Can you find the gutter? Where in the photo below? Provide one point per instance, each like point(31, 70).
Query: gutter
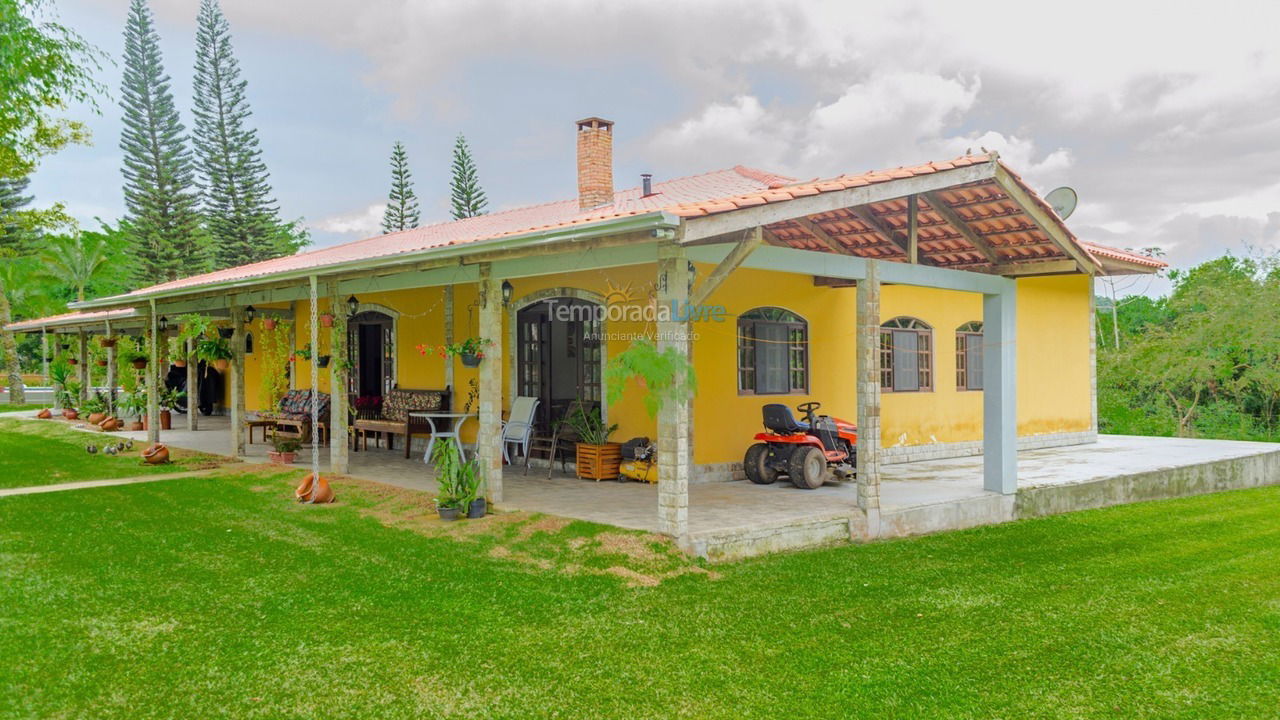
point(654, 221)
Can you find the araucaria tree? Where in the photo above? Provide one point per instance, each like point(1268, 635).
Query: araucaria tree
point(468, 198)
point(241, 216)
point(161, 216)
point(402, 204)
point(16, 240)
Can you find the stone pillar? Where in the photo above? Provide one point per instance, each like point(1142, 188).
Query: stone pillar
point(339, 461)
point(82, 369)
point(999, 392)
point(674, 421)
point(489, 439)
point(111, 373)
point(152, 375)
point(868, 392)
point(44, 356)
point(237, 381)
point(193, 386)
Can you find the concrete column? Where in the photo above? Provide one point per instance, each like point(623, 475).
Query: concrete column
point(193, 386)
point(448, 340)
point(82, 369)
point(489, 440)
point(236, 369)
point(674, 421)
point(999, 392)
point(44, 356)
point(339, 461)
point(111, 374)
point(868, 389)
point(152, 376)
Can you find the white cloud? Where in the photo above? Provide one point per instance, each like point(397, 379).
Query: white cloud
point(362, 223)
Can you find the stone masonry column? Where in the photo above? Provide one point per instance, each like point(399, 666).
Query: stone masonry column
point(674, 419)
point(339, 460)
point(489, 438)
point(193, 385)
point(152, 375)
point(237, 382)
point(868, 394)
point(82, 367)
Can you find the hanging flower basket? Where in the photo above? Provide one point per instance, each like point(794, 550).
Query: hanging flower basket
point(326, 320)
point(102, 363)
point(108, 342)
point(471, 360)
point(221, 364)
point(139, 363)
point(179, 363)
point(471, 350)
point(72, 361)
point(268, 323)
point(322, 361)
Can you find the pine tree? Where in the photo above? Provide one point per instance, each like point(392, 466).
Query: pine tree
point(402, 208)
point(168, 240)
point(468, 198)
point(242, 217)
point(15, 238)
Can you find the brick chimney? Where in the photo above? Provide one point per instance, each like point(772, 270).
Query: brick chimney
point(595, 163)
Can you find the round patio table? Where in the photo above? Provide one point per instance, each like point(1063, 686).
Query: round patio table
point(445, 426)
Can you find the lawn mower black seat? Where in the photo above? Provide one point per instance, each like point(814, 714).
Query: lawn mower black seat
point(778, 418)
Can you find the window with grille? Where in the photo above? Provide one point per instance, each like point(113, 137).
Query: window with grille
point(969, 356)
point(906, 355)
point(773, 352)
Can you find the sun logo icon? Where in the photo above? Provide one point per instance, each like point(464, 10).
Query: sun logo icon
point(619, 294)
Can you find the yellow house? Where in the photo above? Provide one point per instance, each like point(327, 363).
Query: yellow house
point(945, 309)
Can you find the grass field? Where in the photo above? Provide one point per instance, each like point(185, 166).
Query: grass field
point(7, 407)
point(219, 596)
point(48, 452)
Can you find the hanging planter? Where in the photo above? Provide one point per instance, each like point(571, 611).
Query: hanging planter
point(102, 363)
point(108, 342)
point(179, 363)
point(471, 350)
point(326, 320)
point(221, 364)
point(72, 361)
point(268, 323)
point(471, 359)
point(322, 361)
point(139, 363)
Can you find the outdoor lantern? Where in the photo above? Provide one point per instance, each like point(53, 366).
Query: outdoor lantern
point(248, 313)
point(507, 289)
point(352, 305)
point(164, 323)
point(693, 274)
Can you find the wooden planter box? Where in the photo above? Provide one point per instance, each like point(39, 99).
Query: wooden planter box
point(598, 462)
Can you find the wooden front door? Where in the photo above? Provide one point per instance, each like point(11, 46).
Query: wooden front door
point(559, 357)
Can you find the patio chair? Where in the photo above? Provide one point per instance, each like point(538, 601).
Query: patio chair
point(549, 443)
point(519, 426)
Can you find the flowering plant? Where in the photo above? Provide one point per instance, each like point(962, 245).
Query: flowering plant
point(473, 346)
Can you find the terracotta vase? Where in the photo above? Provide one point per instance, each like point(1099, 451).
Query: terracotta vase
point(110, 424)
point(102, 363)
point(166, 420)
point(268, 323)
point(45, 414)
point(108, 342)
point(326, 320)
point(221, 364)
point(281, 458)
point(71, 413)
point(140, 364)
point(137, 425)
point(97, 418)
point(179, 363)
point(318, 492)
point(157, 454)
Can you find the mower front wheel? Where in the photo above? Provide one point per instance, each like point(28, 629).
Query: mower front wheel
point(756, 465)
point(807, 468)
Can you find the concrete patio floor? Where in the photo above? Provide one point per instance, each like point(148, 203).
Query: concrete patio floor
point(736, 519)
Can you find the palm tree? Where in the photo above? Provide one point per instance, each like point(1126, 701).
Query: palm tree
point(76, 260)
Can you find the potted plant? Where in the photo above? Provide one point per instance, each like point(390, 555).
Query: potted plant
point(73, 361)
point(96, 406)
point(215, 350)
point(65, 394)
point(136, 358)
point(269, 322)
point(170, 400)
point(285, 450)
point(134, 405)
point(470, 350)
point(458, 484)
point(107, 341)
point(102, 362)
point(597, 458)
point(178, 351)
point(326, 320)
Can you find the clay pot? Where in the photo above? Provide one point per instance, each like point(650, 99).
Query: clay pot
point(71, 413)
point(44, 414)
point(140, 364)
point(96, 418)
point(326, 320)
point(166, 420)
point(137, 425)
point(102, 363)
point(179, 363)
point(111, 424)
point(157, 454)
point(221, 364)
point(72, 361)
point(108, 342)
point(320, 493)
point(281, 458)
point(268, 323)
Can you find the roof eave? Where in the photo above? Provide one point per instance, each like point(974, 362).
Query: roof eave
point(658, 220)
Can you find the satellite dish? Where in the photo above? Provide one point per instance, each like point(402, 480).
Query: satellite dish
point(1063, 201)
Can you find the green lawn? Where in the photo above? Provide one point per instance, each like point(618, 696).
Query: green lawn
point(44, 452)
point(221, 597)
point(7, 407)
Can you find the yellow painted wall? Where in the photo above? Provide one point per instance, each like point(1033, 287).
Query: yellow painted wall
point(1053, 354)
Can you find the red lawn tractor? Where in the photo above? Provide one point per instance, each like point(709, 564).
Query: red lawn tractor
point(809, 453)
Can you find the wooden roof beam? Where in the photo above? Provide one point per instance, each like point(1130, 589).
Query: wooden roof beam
point(822, 236)
point(1048, 224)
point(958, 224)
point(754, 238)
point(881, 228)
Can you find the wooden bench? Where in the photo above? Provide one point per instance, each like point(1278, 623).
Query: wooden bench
point(393, 417)
point(292, 419)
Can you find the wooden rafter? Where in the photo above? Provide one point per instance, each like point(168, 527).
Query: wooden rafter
point(1047, 224)
point(822, 236)
point(958, 224)
point(881, 228)
point(754, 238)
point(913, 229)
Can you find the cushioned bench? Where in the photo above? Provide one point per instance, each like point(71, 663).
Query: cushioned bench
point(293, 418)
point(394, 417)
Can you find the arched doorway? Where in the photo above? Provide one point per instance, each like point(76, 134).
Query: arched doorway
point(559, 349)
point(371, 345)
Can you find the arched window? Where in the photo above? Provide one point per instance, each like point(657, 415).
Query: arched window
point(969, 356)
point(906, 355)
point(773, 352)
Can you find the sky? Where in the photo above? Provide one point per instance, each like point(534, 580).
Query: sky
point(1164, 117)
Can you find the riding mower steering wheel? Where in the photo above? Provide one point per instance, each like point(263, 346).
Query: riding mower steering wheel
point(807, 409)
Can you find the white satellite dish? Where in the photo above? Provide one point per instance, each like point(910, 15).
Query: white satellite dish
point(1063, 201)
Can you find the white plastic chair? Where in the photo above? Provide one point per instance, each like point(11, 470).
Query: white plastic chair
point(519, 426)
